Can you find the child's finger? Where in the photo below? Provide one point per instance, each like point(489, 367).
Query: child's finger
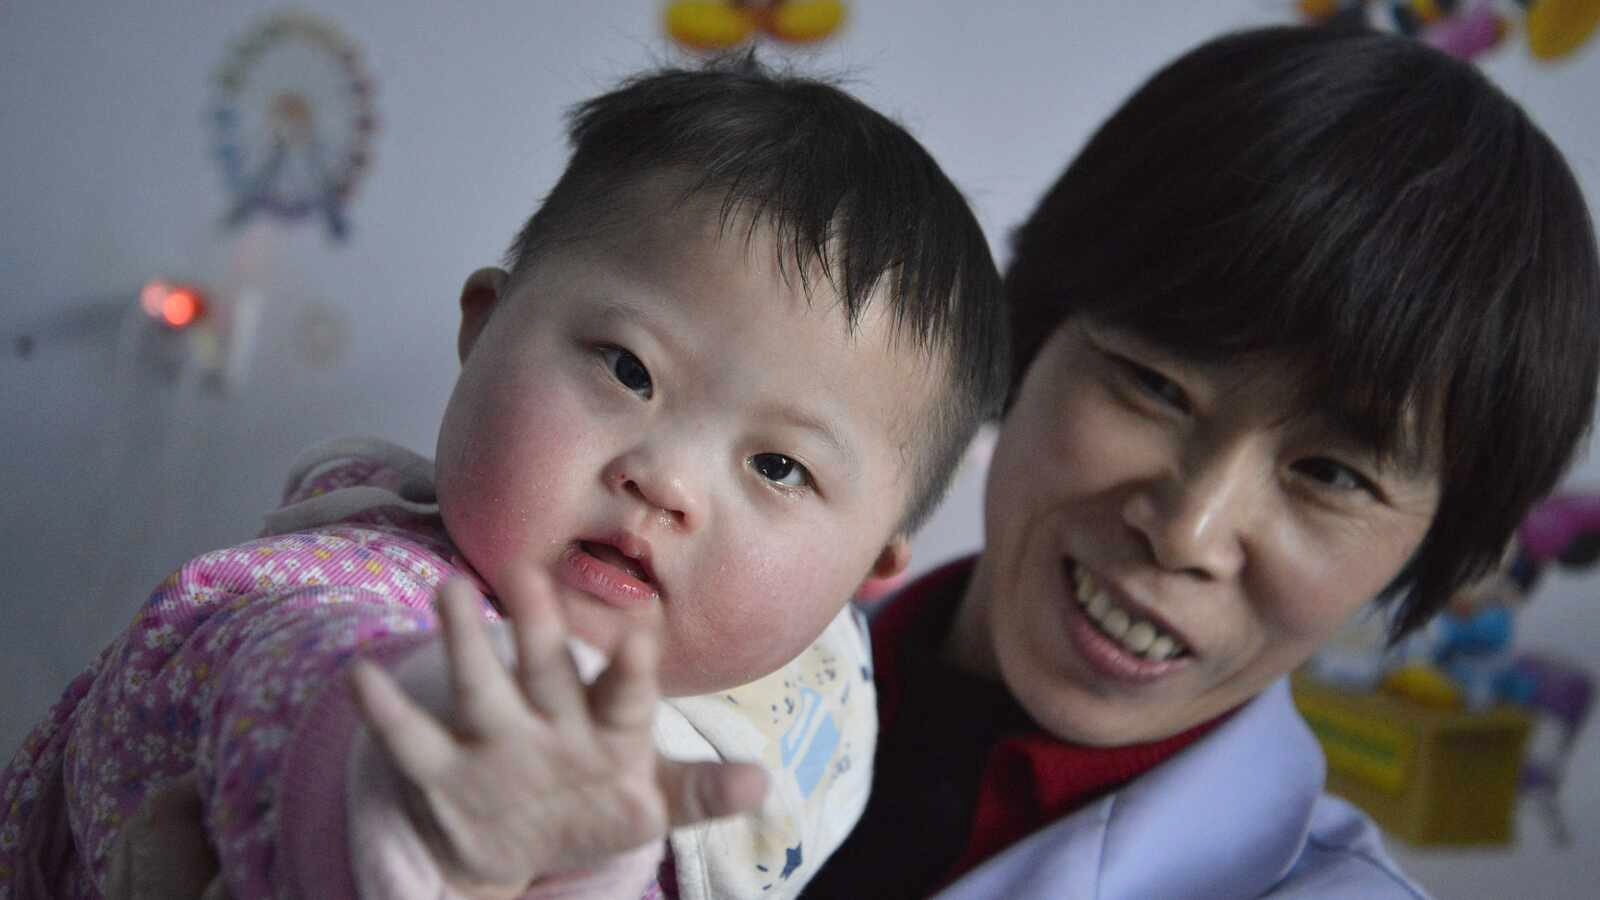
point(545, 671)
point(482, 688)
point(416, 742)
point(696, 791)
point(625, 695)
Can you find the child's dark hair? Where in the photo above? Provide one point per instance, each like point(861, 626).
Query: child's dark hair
point(840, 185)
point(1377, 213)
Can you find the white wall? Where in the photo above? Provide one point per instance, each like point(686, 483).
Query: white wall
point(110, 478)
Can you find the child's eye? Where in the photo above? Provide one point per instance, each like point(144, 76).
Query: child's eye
point(780, 470)
point(1163, 389)
point(628, 370)
point(1334, 475)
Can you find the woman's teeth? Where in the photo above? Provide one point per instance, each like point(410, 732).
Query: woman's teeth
point(1137, 635)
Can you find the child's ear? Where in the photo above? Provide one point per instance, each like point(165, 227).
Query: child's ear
point(479, 296)
point(893, 559)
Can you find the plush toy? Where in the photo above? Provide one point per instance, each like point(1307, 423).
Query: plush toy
point(1464, 658)
point(1472, 638)
point(1473, 634)
point(1470, 28)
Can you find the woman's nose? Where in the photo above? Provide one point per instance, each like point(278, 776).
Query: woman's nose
point(1193, 518)
point(656, 481)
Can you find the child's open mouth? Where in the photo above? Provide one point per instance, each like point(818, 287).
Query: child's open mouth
point(604, 570)
point(609, 554)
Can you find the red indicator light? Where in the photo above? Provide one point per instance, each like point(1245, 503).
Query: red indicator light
point(176, 306)
point(153, 296)
point(181, 307)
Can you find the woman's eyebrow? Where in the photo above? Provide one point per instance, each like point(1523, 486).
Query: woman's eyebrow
point(1406, 455)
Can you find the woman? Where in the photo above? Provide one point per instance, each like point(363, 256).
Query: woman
point(1311, 319)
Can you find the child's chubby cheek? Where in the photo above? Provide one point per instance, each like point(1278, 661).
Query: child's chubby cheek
point(745, 628)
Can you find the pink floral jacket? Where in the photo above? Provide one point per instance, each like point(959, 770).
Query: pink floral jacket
point(231, 669)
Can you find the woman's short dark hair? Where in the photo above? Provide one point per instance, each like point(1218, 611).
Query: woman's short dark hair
point(1376, 212)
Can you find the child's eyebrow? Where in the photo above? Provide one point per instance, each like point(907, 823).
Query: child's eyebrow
point(782, 411)
point(818, 425)
point(610, 309)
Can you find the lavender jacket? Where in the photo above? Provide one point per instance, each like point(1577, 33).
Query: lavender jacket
point(1240, 814)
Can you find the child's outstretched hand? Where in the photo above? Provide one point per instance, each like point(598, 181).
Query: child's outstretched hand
point(535, 773)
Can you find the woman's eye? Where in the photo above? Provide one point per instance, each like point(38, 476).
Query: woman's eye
point(780, 470)
point(1333, 474)
point(628, 370)
point(1157, 385)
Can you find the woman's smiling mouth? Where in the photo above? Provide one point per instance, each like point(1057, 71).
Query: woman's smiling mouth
point(1116, 639)
point(1136, 633)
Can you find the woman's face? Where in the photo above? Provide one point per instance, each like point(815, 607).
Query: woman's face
point(1165, 539)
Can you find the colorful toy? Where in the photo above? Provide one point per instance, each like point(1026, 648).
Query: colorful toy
point(1565, 529)
point(1563, 696)
point(710, 25)
point(1472, 636)
point(1432, 736)
point(1470, 28)
point(1556, 28)
point(1464, 658)
point(1423, 683)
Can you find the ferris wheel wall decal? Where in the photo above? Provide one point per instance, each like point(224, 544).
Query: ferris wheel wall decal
point(292, 122)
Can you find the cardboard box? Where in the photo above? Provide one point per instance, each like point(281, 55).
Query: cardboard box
point(1427, 775)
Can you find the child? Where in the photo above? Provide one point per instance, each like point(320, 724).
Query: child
point(732, 363)
point(1313, 317)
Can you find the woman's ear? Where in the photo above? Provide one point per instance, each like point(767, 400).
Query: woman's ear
point(479, 296)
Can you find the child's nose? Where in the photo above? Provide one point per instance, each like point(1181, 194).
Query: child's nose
point(655, 483)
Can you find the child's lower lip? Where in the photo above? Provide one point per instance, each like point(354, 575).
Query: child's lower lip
point(1103, 654)
point(582, 571)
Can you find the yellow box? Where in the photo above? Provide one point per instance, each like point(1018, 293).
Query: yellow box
point(1427, 775)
